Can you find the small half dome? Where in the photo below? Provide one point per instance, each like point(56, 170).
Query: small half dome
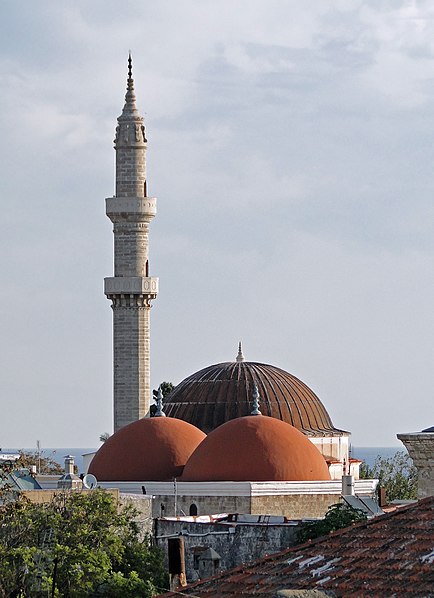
point(255, 448)
point(154, 449)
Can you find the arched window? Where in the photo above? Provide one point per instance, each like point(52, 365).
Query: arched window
point(193, 510)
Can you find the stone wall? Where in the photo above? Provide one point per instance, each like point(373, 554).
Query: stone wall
point(235, 543)
point(204, 504)
point(420, 447)
point(291, 506)
point(141, 504)
point(46, 496)
point(143, 507)
point(294, 506)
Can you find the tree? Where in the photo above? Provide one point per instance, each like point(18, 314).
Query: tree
point(338, 516)
point(104, 436)
point(44, 464)
point(80, 544)
point(397, 475)
point(166, 388)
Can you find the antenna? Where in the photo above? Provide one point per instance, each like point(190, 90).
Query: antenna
point(90, 481)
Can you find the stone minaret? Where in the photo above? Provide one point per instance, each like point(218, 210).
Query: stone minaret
point(131, 289)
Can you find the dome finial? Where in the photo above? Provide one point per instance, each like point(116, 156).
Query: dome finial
point(240, 356)
point(255, 401)
point(159, 402)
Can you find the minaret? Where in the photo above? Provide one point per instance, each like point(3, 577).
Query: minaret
point(131, 289)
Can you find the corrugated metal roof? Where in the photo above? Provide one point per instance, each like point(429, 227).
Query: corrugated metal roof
point(222, 392)
point(390, 555)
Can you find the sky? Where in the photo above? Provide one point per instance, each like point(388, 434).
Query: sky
point(290, 146)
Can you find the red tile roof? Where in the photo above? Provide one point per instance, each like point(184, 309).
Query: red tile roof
point(390, 555)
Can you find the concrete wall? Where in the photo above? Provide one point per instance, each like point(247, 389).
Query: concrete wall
point(244, 543)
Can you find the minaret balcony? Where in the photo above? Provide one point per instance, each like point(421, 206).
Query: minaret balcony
point(140, 206)
point(131, 285)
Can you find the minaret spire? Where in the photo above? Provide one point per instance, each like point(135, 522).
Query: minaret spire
point(131, 289)
point(130, 110)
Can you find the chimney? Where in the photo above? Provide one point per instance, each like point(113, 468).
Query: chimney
point(69, 464)
point(177, 575)
point(348, 485)
point(69, 480)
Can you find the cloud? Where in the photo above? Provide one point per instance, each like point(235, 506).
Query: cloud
point(290, 150)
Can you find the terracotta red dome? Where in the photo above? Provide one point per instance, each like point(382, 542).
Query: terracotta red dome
point(155, 449)
point(255, 448)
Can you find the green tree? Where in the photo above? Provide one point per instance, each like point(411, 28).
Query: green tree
point(80, 544)
point(338, 516)
point(6, 488)
point(166, 388)
point(397, 475)
point(45, 464)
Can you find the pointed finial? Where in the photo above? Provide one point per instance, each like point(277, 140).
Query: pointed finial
point(159, 402)
point(240, 356)
point(255, 401)
point(129, 108)
point(130, 66)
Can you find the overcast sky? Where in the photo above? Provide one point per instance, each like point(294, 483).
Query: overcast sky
point(290, 146)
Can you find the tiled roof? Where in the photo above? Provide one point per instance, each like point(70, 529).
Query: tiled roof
point(391, 555)
point(18, 480)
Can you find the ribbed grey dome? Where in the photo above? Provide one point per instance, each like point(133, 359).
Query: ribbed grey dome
point(224, 391)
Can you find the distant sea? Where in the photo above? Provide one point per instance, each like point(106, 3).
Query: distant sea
point(370, 453)
point(364, 453)
point(57, 454)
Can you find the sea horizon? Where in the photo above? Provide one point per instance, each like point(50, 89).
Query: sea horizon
point(368, 454)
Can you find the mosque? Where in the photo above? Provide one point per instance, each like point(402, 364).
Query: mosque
point(236, 436)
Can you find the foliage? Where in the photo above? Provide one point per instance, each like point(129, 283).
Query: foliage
point(80, 544)
point(104, 436)
point(6, 468)
point(338, 516)
point(397, 475)
point(45, 464)
point(166, 388)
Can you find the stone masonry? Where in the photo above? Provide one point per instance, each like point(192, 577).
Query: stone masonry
point(235, 542)
point(131, 290)
point(420, 447)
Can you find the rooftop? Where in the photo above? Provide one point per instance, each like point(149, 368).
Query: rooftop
point(391, 555)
